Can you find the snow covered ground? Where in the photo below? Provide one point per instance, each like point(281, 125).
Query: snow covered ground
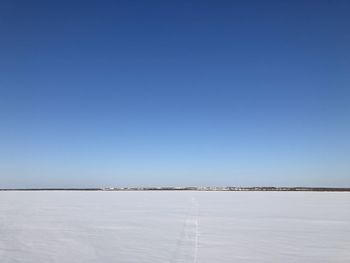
point(194, 227)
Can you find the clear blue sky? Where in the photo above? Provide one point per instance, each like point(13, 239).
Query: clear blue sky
point(140, 93)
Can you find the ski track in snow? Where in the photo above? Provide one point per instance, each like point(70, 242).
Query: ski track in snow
point(187, 246)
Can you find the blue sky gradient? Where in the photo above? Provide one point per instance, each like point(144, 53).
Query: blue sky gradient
point(164, 93)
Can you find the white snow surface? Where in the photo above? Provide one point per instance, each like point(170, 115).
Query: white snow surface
point(174, 226)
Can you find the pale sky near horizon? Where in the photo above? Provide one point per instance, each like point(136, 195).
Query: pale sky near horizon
point(165, 93)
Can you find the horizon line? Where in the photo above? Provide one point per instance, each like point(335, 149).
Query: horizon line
point(187, 188)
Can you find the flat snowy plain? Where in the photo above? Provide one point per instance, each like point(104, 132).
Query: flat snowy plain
point(194, 227)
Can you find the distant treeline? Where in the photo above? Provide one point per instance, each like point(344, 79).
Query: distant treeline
point(224, 188)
